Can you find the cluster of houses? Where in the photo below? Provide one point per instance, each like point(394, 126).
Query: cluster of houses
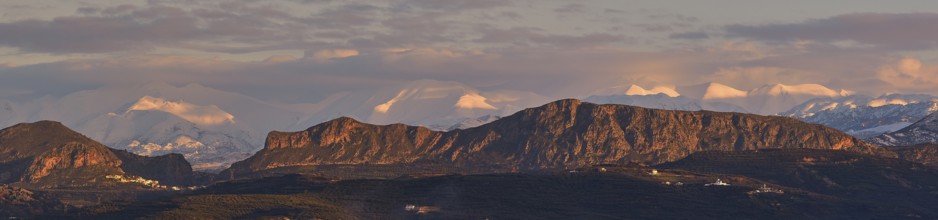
point(149, 183)
point(766, 189)
point(717, 183)
point(420, 209)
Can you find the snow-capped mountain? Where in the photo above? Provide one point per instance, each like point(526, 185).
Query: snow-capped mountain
point(436, 104)
point(766, 100)
point(635, 90)
point(922, 131)
point(662, 101)
point(212, 128)
point(473, 122)
point(865, 116)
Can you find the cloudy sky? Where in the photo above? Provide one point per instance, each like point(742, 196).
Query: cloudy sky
point(303, 50)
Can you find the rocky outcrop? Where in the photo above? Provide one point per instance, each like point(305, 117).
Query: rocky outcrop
point(47, 153)
point(67, 161)
point(562, 134)
point(170, 169)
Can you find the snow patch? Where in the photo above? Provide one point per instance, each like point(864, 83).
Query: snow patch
point(201, 115)
point(720, 91)
point(384, 107)
point(637, 90)
point(471, 101)
point(882, 102)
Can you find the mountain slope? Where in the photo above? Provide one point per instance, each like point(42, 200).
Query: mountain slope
point(860, 187)
point(562, 134)
point(900, 185)
point(47, 153)
point(864, 116)
point(922, 153)
point(920, 132)
point(212, 128)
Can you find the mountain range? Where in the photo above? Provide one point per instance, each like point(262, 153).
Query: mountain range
point(559, 135)
point(47, 153)
point(865, 116)
point(557, 156)
point(765, 100)
point(213, 128)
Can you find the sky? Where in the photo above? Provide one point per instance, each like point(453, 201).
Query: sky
point(303, 50)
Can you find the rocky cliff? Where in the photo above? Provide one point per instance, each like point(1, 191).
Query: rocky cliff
point(169, 169)
point(562, 134)
point(49, 154)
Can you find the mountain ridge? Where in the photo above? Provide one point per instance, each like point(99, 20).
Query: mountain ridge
point(47, 153)
point(561, 134)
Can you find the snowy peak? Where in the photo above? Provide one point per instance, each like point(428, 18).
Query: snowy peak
point(473, 100)
point(801, 89)
point(435, 91)
point(638, 90)
point(864, 116)
point(437, 104)
point(197, 114)
point(720, 91)
point(635, 90)
point(712, 91)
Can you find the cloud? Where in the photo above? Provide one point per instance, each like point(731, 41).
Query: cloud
point(527, 36)
point(897, 31)
point(326, 55)
point(132, 28)
point(571, 8)
point(910, 73)
point(690, 36)
point(450, 5)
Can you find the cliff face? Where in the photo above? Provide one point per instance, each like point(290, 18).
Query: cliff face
point(48, 153)
point(561, 134)
point(170, 169)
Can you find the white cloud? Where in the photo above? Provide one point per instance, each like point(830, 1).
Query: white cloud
point(326, 55)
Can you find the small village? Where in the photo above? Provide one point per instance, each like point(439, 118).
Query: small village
point(678, 179)
point(149, 183)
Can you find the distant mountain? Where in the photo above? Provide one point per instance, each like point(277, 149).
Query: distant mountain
point(661, 101)
point(47, 153)
point(438, 105)
point(558, 135)
point(921, 132)
point(865, 116)
point(765, 100)
point(211, 128)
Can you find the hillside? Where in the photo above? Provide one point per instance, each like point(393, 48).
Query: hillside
point(48, 154)
point(895, 190)
point(559, 135)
